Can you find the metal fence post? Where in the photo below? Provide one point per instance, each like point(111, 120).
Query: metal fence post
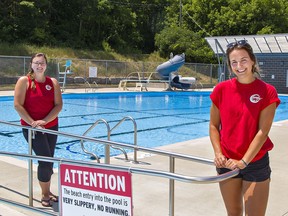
point(172, 188)
point(30, 169)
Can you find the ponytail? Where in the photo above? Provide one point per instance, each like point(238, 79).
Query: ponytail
point(32, 77)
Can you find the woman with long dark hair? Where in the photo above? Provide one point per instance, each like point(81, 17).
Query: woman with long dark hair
point(241, 116)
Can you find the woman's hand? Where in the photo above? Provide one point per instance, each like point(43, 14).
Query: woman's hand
point(234, 164)
point(38, 123)
point(220, 160)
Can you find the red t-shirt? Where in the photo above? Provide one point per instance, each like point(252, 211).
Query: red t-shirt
point(240, 106)
point(39, 102)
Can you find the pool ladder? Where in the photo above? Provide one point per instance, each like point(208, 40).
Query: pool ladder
point(107, 147)
point(93, 86)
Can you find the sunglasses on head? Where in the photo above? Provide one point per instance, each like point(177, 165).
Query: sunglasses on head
point(237, 43)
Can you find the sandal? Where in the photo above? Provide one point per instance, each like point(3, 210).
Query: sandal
point(46, 202)
point(54, 198)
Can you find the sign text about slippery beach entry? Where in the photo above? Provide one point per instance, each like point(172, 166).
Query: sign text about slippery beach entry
point(91, 191)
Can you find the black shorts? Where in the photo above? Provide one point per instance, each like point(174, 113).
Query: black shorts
point(257, 171)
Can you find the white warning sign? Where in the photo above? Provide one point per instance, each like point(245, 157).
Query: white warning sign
point(89, 191)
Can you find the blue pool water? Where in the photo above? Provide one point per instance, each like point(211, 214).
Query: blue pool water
point(162, 118)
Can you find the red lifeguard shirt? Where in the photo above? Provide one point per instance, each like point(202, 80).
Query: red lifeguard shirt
point(240, 106)
point(39, 102)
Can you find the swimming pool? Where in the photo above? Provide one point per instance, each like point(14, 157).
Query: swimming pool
point(162, 118)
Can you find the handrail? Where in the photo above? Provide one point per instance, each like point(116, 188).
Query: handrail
point(159, 173)
point(153, 172)
point(135, 137)
point(88, 130)
point(109, 131)
point(86, 83)
point(149, 172)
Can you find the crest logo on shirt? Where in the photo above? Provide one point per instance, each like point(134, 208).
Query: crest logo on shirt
point(48, 87)
point(255, 98)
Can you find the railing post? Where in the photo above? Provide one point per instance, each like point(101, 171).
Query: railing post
point(211, 73)
point(30, 168)
point(24, 71)
point(107, 153)
point(172, 187)
point(59, 187)
point(135, 140)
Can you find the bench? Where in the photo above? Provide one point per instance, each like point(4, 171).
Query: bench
point(141, 80)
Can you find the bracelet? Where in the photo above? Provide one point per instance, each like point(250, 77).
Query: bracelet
point(244, 162)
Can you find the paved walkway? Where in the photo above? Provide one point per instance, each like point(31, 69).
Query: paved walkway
point(150, 194)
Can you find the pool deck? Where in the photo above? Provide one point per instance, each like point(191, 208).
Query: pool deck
point(150, 194)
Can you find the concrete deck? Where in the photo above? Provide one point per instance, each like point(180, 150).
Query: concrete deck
point(150, 194)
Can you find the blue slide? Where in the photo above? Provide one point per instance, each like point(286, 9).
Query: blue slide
point(166, 69)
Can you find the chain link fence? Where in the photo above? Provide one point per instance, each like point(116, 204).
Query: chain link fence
point(108, 72)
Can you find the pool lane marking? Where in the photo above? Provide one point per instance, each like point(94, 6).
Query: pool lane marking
point(140, 130)
point(156, 115)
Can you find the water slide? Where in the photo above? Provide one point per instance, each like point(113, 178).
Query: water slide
point(167, 69)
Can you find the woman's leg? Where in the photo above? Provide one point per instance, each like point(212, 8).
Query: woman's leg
point(45, 169)
point(256, 185)
point(44, 145)
point(45, 187)
point(52, 140)
point(231, 191)
point(256, 197)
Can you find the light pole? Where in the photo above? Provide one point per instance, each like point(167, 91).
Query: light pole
point(180, 13)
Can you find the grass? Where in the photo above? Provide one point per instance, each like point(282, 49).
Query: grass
point(66, 52)
point(7, 87)
point(8, 69)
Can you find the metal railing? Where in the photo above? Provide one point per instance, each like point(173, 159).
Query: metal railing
point(109, 132)
point(171, 175)
point(87, 86)
point(94, 156)
point(135, 138)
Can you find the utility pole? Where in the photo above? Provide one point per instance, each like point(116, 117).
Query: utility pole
point(180, 13)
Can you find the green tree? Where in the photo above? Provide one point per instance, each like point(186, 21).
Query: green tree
point(7, 16)
point(218, 18)
point(138, 26)
point(149, 20)
point(238, 17)
point(180, 40)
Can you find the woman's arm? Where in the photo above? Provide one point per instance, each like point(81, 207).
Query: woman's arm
point(265, 123)
point(19, 99)
point(214, 134)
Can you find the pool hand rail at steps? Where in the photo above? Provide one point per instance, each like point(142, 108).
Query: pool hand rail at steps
point(171, 175)
point(109, 131)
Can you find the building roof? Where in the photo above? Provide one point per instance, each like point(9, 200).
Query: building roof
point(261, 44)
